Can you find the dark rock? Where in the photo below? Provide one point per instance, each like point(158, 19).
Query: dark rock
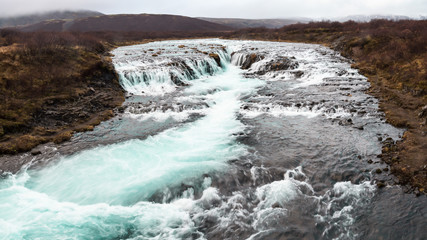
point(378, 171)
point(341, 72)
point(423, 112)
point(370, 161)
point(251, 59)
point(298, 74)
point(281, 63)
point(276, 205)
point(121, 109)
point(216, 58)
point(177, 81)
point(381, 184)
point(35, 152)
point(346, 122)
point(82, 115)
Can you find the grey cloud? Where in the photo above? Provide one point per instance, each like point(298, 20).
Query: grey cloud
point(226, 8)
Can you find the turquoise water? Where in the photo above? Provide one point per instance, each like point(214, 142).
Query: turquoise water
point(216, 153)
point(102, 193)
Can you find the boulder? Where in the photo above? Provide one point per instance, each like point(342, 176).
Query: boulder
point(35, 152)
point(281, 63)
point(251, 59)
point(216, 58)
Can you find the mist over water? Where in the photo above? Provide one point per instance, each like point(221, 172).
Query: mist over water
point(262, 153)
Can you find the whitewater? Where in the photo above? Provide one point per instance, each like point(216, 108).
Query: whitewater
point(220, 139)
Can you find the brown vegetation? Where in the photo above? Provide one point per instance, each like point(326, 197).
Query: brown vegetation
point(393, 55)
point(129, 23)
point(50, 85)
point(239, 23)
point(56, 83)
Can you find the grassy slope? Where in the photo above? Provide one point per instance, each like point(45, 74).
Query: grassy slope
point(129, 23)
point(55, 72)
point(393, 55)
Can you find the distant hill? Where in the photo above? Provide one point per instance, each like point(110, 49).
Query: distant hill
point(36, 18)
point(367, 18)
point(129, 22)
point(239, 23)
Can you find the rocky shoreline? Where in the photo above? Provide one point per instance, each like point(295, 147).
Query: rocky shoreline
point(59, 117)
point(407, 157)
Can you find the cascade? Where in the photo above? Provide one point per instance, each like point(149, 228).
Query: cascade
point(219, 140)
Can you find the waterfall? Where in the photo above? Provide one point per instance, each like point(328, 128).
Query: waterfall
point(219, 140)
point(164, 73)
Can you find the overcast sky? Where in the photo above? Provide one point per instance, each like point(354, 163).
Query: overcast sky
point(225, 8)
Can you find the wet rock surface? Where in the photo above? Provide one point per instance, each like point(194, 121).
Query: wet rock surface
point(313, 137)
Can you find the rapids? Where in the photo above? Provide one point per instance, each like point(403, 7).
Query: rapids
point(220, 140)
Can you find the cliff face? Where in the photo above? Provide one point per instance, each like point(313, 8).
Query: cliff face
point(50, 89)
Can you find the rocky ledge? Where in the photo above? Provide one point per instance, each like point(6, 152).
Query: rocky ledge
point(62, 115)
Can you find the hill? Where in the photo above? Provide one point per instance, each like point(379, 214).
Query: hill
point(239, 23)
point(367, 18)
point(36, 18)
point(129, 23)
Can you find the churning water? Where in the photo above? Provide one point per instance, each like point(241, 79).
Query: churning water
point(221, 140)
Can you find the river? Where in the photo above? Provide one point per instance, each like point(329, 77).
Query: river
point(221, 139)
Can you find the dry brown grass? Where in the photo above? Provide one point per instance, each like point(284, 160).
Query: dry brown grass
point(40, 68)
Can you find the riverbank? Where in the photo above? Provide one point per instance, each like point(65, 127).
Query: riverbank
point(393, 56)
point(64, 83)
point(56, 84)
point(53, 85)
